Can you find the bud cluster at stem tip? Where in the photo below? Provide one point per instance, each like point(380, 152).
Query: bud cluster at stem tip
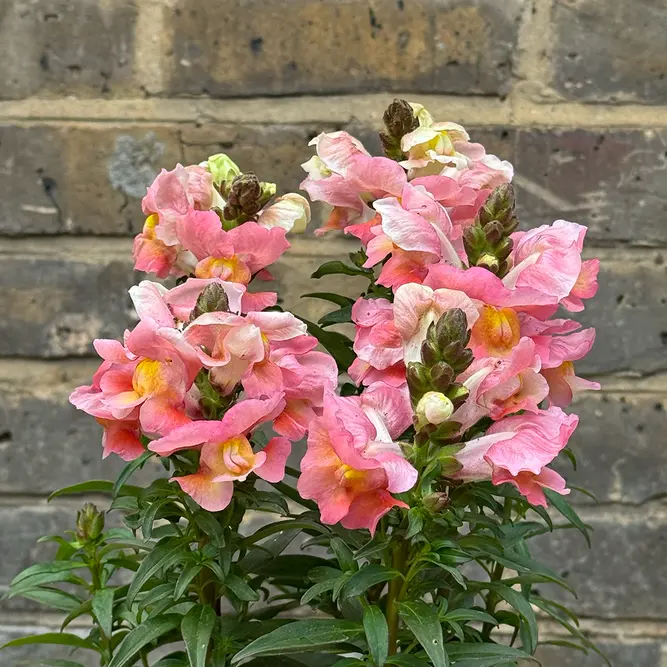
point(432, 382)
point(399, 119)
point(487, 241)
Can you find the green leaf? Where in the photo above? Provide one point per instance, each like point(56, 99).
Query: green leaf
point(415, 522)
point(187, 575)
point(406, 660)
point(54, 598)
point(338, 345)
point(516, 600)
point(196, 628)
point(60, 638)
point(128, 471)
point(211, 527)
point(368, 576)
point(150, 514)
point(164, 556)
point(300, 636)
point(343, 554)
point(457, 615)
point(279, 527)
point(101, 486)
point(336, 267)
point(241, 589)
point(340, 316)
point(103, 610)
point(484, 655)
point(46, 573)
point(141, 636)
point(422, 620)
point(568, 512)
point(86, 607)
point(317, 589)
point(377, 634)
point(338, 299)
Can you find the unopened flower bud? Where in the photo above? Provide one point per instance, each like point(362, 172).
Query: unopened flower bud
point(89, 523)
point(442, 375)
point(458, 394)
point(212, 299)
point(245, 194)
point(435, 502)
point(399, 119)
point(488, 261)
point(433, 408)
point(222, 168)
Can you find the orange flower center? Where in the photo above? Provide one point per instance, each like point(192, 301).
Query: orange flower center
point(232, 269)
point(148, 378)
point(233, 457)
point(497, 329)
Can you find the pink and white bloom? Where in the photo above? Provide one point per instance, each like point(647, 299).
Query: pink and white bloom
point(149, 377)
point(548, 260)
point(352, 465)
point(226, 453)
point(290, 212)
point(234, 256)
point(518, 450)
point(237, 348)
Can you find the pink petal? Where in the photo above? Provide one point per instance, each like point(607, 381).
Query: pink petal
point(212, 496)
point(273, 469)
point(367, 509)
point(257, 301)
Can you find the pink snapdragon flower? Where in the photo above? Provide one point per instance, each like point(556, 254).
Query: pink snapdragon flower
point(548, 260)
point(352, 465)
point(235, 256)
point(518, 450)
point(226, 453)
point(237, 348)
point(150, 375)
point(171, 197)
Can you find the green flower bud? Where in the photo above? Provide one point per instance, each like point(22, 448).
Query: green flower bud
point(458, 394)
point(433, 408)
point(89, 523)
point(222, 168)
point(435, 502)
point(212, 299)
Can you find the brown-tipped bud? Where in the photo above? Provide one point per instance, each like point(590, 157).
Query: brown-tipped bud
point(417, 376)
point(399, 119)
point(430, 353)
point(212, 299)
point(245, 194)
point(442, 375)
point(504, 249)
point(457, 394)
point(494, 231)
point(452, 326)
point(499, 205)
point(435, 502)
point(89, 523)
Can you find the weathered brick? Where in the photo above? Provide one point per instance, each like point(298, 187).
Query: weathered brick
point(641, 654)
point(612, 181)
point(76, 180)
point(629, 314)
point(621, 576)
point(620, 453)
point(19, 655)
point(229, 49)
point(56, 306)
point(62, 47)
point(610, 51)
point(45, 442)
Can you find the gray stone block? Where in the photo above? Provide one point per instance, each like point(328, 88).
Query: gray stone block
point(641, 654)
point(619, 445)
point(62, 47)
point(621, 576)
point(229, 49)
point(80, 180)
point(57, 307)
point(610, 50)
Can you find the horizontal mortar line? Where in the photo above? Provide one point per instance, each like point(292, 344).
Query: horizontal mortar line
point(332, 109)
point(93, 248)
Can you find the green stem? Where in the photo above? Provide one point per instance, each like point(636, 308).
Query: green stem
point(395, 593)
point(492, 599)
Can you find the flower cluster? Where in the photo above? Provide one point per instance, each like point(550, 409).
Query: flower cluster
point(462, 367)
point(465, 331)
point(207, 364)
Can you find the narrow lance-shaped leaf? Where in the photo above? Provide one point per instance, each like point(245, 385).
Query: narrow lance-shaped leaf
point(196, 628)
point(422, 620)
point(141, 636)
point(377, 634)
point(103, 609)
point(299, 637)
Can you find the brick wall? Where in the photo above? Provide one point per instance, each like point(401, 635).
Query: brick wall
point(95, 95)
